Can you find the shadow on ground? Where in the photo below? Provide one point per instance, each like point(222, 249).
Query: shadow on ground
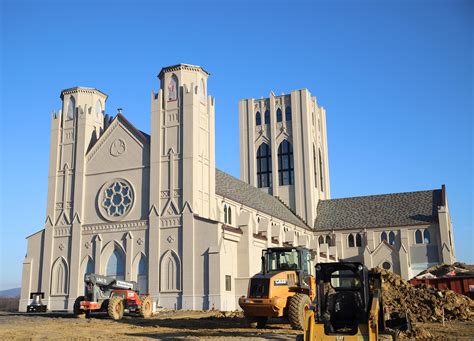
point(205, 335)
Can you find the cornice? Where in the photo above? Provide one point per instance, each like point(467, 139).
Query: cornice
point(114, 227)
point(179, 67)
point(82, 90)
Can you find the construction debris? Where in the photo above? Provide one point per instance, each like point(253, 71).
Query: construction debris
point(446, 270)
point(422, 303)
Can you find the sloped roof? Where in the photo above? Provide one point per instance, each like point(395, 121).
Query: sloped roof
point(398, 209)
point(108, 121)
point(241, 192)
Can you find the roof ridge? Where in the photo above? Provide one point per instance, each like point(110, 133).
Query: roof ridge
point(380, 195)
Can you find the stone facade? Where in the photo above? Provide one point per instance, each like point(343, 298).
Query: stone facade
point(268, 126)
point(154, 209)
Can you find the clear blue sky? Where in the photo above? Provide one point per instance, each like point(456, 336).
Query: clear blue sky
point(395, 77)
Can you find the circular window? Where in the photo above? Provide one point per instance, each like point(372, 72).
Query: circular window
point(386, 265)
point(116, 199)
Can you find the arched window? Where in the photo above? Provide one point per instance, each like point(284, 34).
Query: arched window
point(173, 88)
point(279, 115)
point(321, 240)
point(98, 108)
point(328, 240)
point(59, 278)
point(391, 238)
point(321, 170)
point(288, 114)
point(285, 163)
point(383, 236)
point(202, 91)
point(358, 240)
point(267, 116)
point(71, 107)
point(264, 166)
point(142, 275)
point(350, 241)
point(229, 215)
point(170, 272)
point(426, 237)
point(258, 118)
point(225, 214)
point(89, 268)
point(315, 164)
point(418, 237)
point(116, 265)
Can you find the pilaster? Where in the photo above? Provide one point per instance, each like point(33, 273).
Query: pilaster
point(298, 126)
point(128, 243)
point(97, 240)
point(188, 261)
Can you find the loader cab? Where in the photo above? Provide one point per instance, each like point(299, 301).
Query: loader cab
point(342, 297)
point(297, 259)
point(286, 259)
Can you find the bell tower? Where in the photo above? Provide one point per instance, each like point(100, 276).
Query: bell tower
point(283, 149)
point(186, 128)
point(182, 170)
point(73, 129)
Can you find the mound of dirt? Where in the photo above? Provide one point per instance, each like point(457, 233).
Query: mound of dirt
point(447, 270)
point(423, 303)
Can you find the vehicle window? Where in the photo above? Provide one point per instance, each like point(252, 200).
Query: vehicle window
point(345, 279)
point(282, 260)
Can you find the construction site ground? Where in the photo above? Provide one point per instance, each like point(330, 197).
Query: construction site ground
point(173, 325)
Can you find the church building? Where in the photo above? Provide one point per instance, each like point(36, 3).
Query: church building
point(153, 208)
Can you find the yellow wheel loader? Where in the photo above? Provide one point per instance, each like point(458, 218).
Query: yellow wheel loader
point(348, 305)
point(284, 288)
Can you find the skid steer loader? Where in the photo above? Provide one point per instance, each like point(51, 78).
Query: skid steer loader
point(284, 287)
point(348, 305)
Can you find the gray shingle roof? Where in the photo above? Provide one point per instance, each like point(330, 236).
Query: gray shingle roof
point(241, 192)
point(399, 209)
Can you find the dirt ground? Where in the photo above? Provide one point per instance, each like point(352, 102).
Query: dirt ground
point(171, 325)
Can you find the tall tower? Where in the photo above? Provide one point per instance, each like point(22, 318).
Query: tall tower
point(283, 149)
point(182, 169)
point(73, 130)
point(183, 123)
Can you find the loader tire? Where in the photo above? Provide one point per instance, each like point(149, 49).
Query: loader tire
point(250, 321)
point(146, 307)
point(115, 308)
point(262, 322)
point(298, 304)
point(78, 312)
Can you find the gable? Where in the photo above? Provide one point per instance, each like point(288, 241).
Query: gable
point(383, 251)
point(120, 147)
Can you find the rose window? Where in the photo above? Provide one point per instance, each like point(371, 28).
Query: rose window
point(117, 198)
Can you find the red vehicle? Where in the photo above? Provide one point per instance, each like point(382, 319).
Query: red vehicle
point(113, 296)
point(460, 284)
